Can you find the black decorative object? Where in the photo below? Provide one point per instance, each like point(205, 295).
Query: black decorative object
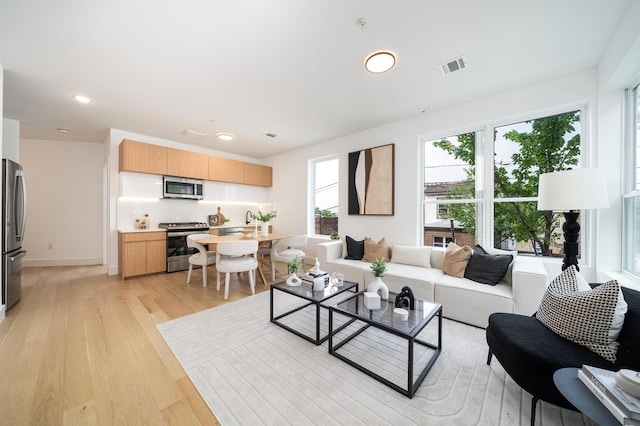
point(405, 299)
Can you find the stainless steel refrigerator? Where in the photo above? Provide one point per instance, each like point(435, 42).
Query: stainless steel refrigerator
point(14, 214)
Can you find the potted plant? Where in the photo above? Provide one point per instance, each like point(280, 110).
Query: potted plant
point(334, 235)
point(293, 266)
point(264, 218)
point(379, 267)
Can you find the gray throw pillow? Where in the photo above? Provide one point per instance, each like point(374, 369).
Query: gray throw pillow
point(487, 268)
point(355, 249)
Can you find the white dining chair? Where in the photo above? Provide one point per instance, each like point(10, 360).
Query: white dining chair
point(203, 258)
point(236, 256)
point(285, 250)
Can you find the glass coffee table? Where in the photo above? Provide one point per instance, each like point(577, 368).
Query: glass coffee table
point(384, 347)
point(312, 302)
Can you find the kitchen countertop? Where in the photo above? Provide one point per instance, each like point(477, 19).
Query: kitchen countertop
point(132, 230)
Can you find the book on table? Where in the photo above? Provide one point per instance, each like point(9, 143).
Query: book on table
point(602, 383)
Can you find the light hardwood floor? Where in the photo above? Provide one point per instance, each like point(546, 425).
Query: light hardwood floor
point(81, 347)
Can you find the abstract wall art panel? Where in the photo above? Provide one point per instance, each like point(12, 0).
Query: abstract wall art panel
point(371, 181)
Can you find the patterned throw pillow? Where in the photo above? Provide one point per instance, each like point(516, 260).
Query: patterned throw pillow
point(584, 317)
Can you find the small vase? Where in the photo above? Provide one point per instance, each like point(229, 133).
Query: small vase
point(378, 286)
point(293, 280)
point(264, 229)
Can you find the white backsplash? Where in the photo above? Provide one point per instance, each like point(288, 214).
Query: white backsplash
point(141, 194)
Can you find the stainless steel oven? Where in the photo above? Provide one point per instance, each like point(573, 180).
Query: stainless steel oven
point(178, 252)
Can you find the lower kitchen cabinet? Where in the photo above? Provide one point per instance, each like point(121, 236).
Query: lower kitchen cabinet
point(142, 253)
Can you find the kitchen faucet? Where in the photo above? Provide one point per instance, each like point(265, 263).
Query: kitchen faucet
point(248, 216)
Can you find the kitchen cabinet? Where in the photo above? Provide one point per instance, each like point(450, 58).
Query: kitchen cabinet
point(142, 253)
point(154, 159)
point(226, 170)
point(257, 174)
point(187, 164)
point(143, 157)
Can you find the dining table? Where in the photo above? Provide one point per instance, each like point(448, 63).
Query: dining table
point(263, 240)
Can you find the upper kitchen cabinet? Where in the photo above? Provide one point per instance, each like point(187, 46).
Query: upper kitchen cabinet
point(160, 160)
point(187, 164)
point(226, 170)
point(256, 174)
point(143, 157)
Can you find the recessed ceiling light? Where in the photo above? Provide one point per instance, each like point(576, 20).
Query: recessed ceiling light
point(379, 62)
point(63, 130)
point(225, 136)
point(81, 99)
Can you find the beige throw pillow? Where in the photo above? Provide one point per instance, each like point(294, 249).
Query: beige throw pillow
point(373, 250)
point(455, 260)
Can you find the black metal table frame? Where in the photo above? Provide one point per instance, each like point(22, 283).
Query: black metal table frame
point(412, 386)
point(348, 286)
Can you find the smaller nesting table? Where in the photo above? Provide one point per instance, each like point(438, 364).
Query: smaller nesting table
point(305, 291)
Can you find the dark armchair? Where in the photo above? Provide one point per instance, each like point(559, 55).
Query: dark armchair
point(530, 353)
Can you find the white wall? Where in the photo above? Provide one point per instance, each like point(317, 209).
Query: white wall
point(64, 202)
point(2, 306)
point(11, 139)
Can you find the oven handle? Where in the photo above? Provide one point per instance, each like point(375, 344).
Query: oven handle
point(181, 233)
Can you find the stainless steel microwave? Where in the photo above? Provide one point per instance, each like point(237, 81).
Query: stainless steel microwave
point(174, 187)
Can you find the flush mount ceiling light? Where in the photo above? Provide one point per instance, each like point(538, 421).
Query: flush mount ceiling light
point(379, 62)
point(225, 136)
point(81, 99)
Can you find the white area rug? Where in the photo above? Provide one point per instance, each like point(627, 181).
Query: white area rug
point(250, 371)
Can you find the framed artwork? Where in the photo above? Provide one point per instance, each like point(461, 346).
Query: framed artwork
point(213, 220)
point(371, 181)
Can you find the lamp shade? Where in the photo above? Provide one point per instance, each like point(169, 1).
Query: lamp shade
point(575, 189)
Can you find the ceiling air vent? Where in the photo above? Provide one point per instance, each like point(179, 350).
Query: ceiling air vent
point(271, 135)
point(453, 65)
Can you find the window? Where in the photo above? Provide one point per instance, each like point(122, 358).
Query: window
point(325, 195)
point(490, 187)
point(631, 209)
point(441, 241)
point(450, 188)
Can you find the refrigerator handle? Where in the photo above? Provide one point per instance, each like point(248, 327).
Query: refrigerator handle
point(20, 177)
point(20, 254)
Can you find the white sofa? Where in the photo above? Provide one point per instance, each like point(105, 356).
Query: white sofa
point(520, 291)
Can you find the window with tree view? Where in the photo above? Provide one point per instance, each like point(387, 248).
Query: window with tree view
point(326, 196)
point(512, 163)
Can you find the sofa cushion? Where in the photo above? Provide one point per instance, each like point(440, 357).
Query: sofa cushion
point(487, 268)
point(455, 260)
point(412, 255)
point(584, 317)
point(373, 250)
point(355, 249)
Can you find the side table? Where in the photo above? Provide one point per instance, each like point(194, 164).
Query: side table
point(572, 388)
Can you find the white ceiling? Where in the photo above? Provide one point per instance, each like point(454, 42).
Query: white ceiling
point(289, 67)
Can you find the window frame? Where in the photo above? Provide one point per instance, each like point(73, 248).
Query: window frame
point(311, 191)
point(485, 169)
point(631, 185)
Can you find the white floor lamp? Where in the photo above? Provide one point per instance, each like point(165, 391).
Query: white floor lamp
point(570, 191)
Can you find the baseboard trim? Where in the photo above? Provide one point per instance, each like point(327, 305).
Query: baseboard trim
point(62, 262)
